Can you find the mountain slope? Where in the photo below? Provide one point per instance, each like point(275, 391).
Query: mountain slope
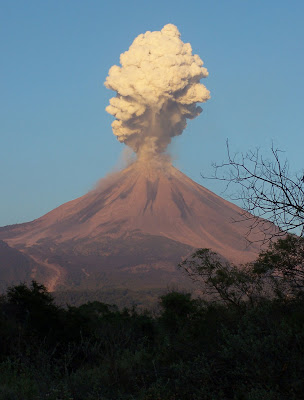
point(133, 229)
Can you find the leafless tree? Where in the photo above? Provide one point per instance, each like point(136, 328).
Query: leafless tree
point(265, 188)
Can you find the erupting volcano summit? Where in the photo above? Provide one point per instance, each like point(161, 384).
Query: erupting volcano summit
point(138, 224)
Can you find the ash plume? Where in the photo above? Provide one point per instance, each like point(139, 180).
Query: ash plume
point(158, 88)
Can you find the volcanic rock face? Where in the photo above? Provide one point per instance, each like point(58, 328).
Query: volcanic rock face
point(131, 231)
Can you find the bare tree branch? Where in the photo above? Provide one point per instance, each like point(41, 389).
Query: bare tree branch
point(265, 188)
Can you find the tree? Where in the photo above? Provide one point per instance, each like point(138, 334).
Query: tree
point(285, 260)
point(30, 297)
point(221, 281)
point(268, 192)
point(34, 307)
point(177, 307)
point(266, 189)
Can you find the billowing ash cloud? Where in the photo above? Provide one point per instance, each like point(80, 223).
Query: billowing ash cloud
point(158, 88)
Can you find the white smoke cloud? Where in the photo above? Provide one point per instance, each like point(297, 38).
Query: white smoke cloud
point(158, 86)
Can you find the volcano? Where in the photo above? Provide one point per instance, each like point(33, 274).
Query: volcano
point(132, 230)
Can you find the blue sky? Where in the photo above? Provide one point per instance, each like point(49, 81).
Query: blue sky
point(55, 136)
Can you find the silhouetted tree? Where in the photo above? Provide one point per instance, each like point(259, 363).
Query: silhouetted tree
point(221, 281)
point(285, 260)
point(266, 189)
point(34, 308)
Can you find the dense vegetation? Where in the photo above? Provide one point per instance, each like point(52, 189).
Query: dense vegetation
point(121, 297)
point(245, 342)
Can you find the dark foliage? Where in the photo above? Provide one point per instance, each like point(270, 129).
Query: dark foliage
point(241, 344)
point(285, 259)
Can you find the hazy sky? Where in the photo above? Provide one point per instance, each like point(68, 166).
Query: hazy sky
point(55, 136)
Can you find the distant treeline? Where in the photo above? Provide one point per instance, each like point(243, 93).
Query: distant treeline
point(121, 297)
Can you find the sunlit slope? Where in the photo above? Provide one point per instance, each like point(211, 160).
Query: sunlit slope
point(138, 222)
